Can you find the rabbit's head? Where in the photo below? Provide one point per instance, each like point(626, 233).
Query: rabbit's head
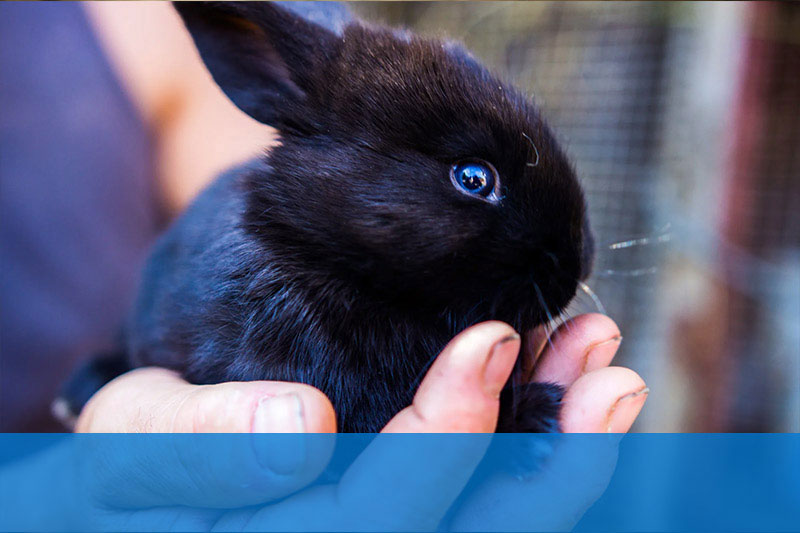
point(405, 170)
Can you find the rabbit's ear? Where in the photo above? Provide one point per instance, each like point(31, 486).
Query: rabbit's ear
point(264, 57)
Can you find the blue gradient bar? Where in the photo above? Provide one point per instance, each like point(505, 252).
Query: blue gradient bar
point(638, 482)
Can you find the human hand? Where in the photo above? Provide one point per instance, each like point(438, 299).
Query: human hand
point(453, 398)
point(413, 489)
point(599, 399)
point(459, 394)
point(156, 400)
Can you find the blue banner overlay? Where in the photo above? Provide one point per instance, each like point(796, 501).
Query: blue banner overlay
point(639, 482)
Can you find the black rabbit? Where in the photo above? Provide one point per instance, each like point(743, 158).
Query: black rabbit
point(413, 194)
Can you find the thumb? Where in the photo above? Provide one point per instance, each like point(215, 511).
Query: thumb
point(205, 470)
point(156, 400)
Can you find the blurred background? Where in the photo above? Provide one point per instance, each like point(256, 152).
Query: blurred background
point(683, 120)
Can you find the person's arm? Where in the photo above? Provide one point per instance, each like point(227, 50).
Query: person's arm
point(198, 132)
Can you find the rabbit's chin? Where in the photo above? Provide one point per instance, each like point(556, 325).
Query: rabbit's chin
point(522, 305)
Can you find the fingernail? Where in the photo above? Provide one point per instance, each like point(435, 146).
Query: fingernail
point(597, 355)
point(623, 413)
point(283, 413)
point(279, 414)
point(501, 360)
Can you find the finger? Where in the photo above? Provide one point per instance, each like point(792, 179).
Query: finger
point(607, 400)
point(156, 400)
point(578, 471)
point(551, 498)
point(204, 470)
point(460, 392)
point(586, 343)
point(411, 480)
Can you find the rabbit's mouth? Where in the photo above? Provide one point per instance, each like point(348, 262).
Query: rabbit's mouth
point(524, 302)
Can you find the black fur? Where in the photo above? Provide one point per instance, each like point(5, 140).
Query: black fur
point(87, 379)
point(346, 258)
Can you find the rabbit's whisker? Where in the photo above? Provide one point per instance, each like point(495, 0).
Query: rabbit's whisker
point(629, 273)
point(566, 318)
point(588, 290)
point(662, 235)
point(549, 315)
point(535, 163)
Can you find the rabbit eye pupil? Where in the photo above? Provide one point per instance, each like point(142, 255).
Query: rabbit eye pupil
point(474, 177)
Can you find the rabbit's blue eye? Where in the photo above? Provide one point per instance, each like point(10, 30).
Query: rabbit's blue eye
point(474, 177)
